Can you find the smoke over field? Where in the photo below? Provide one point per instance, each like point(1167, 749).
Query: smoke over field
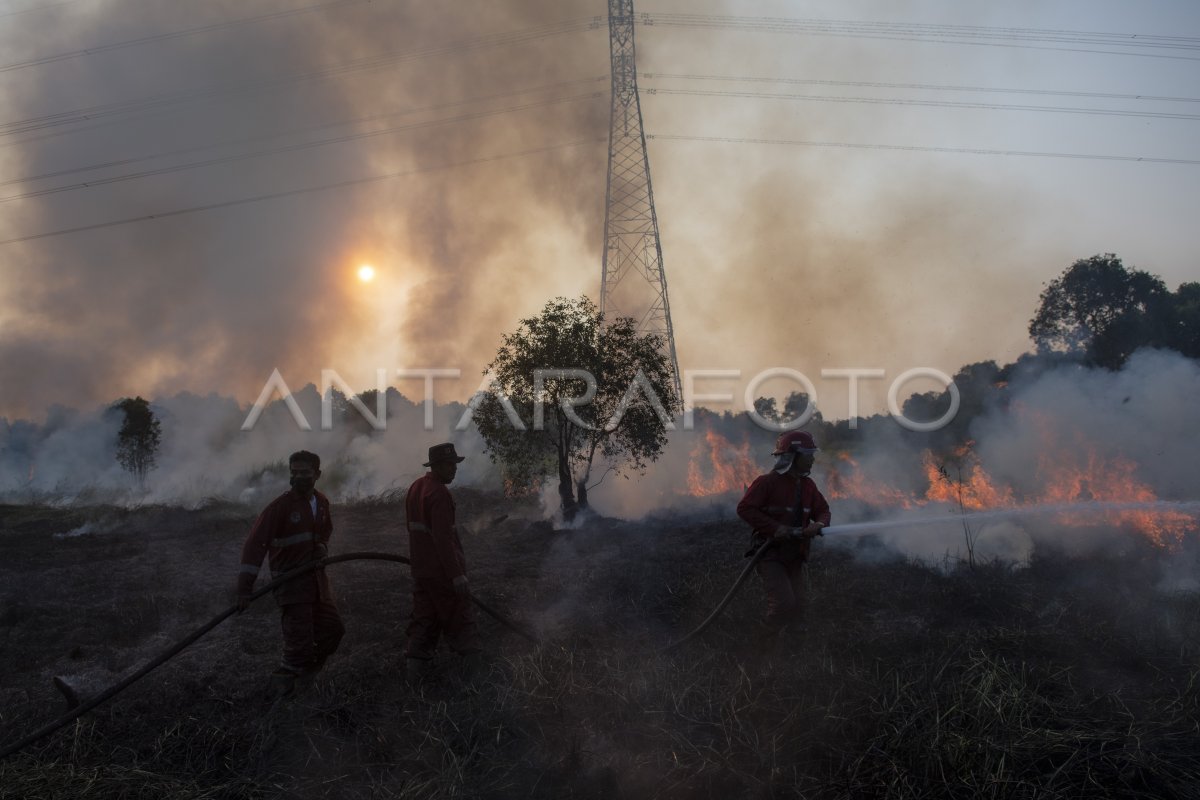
point(1067, 436)
point(1078, 672)
point(1011, 611)
point(1069, 647)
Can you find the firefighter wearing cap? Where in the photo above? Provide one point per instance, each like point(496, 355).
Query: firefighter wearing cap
point(292, 531)
point(441, 597)
point(785, 507)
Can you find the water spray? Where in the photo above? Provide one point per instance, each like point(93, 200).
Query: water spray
point(1191, 508)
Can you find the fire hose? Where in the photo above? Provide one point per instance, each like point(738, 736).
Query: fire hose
point(78, 711)
point(112, 691)
point(755, 557)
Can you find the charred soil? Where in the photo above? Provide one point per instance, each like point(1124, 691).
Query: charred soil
point(1067, 677)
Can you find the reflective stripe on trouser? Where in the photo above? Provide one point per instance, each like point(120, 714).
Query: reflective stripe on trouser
point(439, 611)
point(784, 584)
point(311, 632)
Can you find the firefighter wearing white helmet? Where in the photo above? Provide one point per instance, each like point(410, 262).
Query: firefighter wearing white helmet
point(785, 507)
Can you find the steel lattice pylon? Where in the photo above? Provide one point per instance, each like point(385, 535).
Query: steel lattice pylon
point(633, 282)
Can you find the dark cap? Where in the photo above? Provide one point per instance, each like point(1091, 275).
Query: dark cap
point(443, 452)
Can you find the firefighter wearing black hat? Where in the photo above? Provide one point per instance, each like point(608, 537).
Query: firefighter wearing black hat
point(784, 507)
point(294, 530)
point(441, 596)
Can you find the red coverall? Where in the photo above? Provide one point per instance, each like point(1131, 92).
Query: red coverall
point(437, 559)
point(288, 531)
point(773, 503)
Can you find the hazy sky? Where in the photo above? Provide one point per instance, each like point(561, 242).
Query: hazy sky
point(188, 189)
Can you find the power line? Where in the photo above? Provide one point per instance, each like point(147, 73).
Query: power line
point(921, 86)
point(522, 36)
point(160, 37)
point(965, 31)
point(925, 103)
point(39, 7)
point(295, 192)
point(922, 148)
point(298, 147)
point(124, 162)
point(1018, 37)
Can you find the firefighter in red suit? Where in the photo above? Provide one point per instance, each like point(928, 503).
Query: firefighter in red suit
point(441, 597)
point(294, 530)
point(785, 508)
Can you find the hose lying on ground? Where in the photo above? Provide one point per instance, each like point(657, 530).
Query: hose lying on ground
point(112, 691)
point(754, 559)
point(178, 647)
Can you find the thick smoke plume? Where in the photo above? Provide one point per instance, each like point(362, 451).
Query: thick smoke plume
point(216, 299)
point(491, 119)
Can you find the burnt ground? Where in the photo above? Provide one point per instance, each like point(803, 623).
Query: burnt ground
point(1071, 677)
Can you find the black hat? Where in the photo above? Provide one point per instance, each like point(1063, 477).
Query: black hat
point(443, 452)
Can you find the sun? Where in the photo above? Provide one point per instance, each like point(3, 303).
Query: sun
point(366, 273)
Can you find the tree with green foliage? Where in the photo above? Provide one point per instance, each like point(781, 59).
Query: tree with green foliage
point(543, 416)
point(1102, 311)
point(1185, 320)
point(139, 437)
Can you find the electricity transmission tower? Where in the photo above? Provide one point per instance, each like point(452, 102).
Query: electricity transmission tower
point(632, 283)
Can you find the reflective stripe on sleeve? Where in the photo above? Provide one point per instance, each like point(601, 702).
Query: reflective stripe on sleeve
point(298, 538)
point(418, 526)
point(777, 509)
point(249, 569)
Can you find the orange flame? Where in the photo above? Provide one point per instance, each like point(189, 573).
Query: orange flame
point(846, 480)
point(1066, 472)
point(975, 490)
point(1113, 481)
point(731, 467)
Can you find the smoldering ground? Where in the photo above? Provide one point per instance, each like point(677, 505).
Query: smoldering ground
point(1047, 663)
point(1080, 636)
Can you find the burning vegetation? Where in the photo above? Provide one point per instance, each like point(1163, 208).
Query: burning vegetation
point(1064, 673)
point(1072, 677)
point(716, 466)
point(1094, 486)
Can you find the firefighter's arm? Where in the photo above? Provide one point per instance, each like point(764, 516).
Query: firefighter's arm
point(253, 553)
point(751, 510)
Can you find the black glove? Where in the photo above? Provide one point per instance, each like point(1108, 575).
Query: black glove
point(320, 550)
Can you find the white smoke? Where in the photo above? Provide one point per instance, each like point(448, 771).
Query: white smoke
point(204, 453)
point(1143, 414)
point(1137, 425)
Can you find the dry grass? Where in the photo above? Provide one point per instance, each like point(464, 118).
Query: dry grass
point(1070, 678)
